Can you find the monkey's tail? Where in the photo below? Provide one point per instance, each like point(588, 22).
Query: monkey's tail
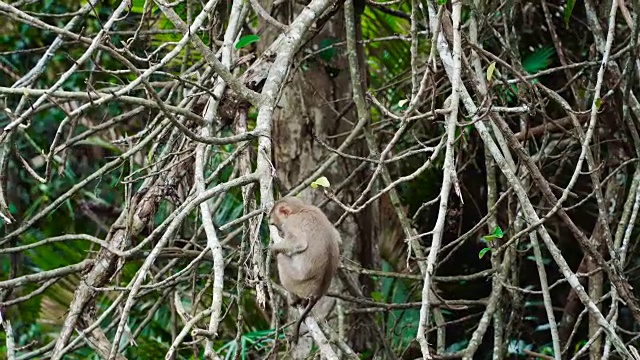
point(296, 333)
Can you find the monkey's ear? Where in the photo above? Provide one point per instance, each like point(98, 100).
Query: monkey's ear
point(284, 211)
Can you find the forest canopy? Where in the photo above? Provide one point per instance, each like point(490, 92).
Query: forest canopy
point(479, 160)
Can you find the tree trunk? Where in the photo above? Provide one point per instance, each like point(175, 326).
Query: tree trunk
point(317, 102)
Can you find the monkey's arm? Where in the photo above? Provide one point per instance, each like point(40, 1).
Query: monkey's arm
point(292, 244)
point(288, 248)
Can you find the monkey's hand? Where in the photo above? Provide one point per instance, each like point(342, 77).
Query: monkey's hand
point(288, 248)
point(275, 250)
point(275, 234)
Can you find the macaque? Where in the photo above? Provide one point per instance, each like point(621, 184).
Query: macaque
point(308, 255)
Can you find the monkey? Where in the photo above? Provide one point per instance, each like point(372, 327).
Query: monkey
point(307, 255)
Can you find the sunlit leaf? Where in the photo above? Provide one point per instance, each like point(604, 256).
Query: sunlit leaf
point(497, 232)
point(321, 181)
point(137, 6)
point(490, 70)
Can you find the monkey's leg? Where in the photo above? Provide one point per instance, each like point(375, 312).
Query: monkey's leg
point(296, 332)
point(295, 300)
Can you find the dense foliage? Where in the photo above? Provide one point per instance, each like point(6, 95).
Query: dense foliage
point(485, 179)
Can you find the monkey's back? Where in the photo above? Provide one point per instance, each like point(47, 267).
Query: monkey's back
point(310, 273)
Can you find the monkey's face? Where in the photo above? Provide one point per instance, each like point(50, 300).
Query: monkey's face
point(275, 218)
point(280, 213)
point(278, 230)
point(276, 221)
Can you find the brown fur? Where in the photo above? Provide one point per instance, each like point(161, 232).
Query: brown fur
point(309, 254)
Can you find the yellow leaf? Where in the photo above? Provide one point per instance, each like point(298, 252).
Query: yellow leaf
point(321, 181)
point(490, 70)
point(598, 103)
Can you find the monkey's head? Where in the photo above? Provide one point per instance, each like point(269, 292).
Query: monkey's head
point(284, 208)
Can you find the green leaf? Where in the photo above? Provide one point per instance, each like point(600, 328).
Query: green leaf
point(538, 60)
point(598, 103)
point(579, 346)
point(567, 12)
point(402, 323)
point(137, 6)
point(482, 252)
point(377, 296)
point(321, 181)
point(100, 142)
point(456, 346)
point(442, 2)
point(497, 232)
point(328, 50)
point(246, 40)
point(490, 70)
